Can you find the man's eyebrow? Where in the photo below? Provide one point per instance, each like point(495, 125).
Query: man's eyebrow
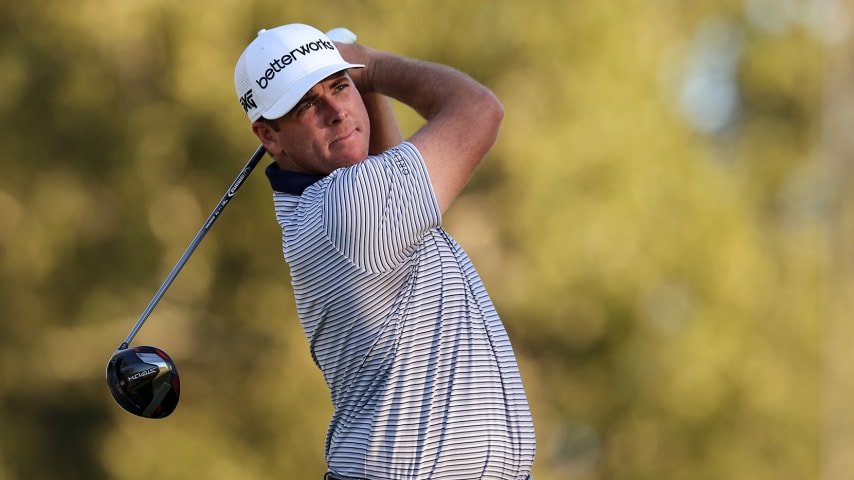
point(312, 94)
point(309, 95)
point(334, 76)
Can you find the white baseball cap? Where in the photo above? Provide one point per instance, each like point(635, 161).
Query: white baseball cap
point(280, 66)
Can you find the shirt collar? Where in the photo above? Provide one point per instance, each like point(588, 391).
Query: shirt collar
point(289, 182)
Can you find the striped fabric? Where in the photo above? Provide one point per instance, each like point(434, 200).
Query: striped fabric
point(421, 372)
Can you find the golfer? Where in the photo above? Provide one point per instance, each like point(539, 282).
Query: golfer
point(422, 376)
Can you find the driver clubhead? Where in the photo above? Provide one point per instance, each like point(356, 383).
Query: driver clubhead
point(144, 381)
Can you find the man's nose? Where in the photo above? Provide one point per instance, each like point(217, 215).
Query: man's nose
point(334, 110)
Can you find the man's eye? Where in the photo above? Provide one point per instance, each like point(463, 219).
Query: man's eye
point(305, 106)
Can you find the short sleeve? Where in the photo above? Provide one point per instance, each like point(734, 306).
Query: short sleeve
point(377, 211)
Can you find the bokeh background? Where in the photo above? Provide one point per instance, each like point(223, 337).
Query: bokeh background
point(665, 225)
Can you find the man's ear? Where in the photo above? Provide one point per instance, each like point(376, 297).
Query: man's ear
point(268, 136)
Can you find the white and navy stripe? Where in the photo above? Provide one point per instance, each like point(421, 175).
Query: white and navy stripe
point(421, 372)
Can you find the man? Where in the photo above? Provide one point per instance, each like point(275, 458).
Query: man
point(421, 372)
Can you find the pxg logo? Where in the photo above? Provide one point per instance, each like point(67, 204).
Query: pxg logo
point(247, 102)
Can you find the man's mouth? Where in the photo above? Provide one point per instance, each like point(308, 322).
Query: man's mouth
point(344, 137)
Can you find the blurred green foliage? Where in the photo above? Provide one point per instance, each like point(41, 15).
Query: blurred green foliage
point(655, 225)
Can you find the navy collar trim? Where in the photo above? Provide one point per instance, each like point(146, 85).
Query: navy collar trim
point(289, 182)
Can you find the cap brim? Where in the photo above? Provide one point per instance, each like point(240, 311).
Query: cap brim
point(292, 96)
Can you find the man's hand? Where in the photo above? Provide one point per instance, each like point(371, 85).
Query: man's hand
point(462, 115)
point(385, 131)
point(356, 53)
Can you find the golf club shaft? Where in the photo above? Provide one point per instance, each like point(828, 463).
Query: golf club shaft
point(235, 186)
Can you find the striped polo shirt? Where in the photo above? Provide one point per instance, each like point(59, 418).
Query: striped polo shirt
point(422, 376)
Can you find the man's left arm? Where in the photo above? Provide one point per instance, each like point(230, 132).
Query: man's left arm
point(385, 131)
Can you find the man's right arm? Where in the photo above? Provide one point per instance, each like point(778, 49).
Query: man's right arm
point(463, 116)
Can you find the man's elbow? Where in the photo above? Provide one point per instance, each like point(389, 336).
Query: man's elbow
point(493, 109)
point(490, 115)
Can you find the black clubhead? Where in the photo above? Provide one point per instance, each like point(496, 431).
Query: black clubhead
point(144, 381)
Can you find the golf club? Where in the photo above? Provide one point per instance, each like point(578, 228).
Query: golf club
point(144, 380)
